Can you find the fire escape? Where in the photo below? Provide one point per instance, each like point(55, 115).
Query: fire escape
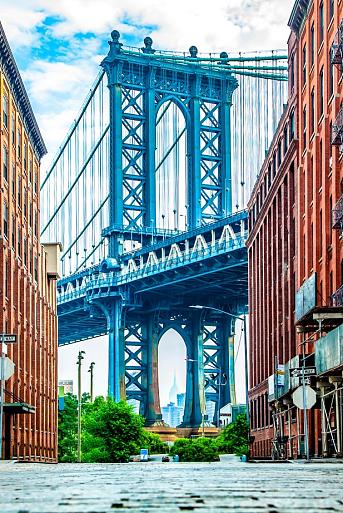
point(337, 48)
point(337, 60)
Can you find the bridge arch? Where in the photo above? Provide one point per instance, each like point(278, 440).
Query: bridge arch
point(172, 372)
point(171, 164)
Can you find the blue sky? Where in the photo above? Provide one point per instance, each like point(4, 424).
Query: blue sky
point(58, 45)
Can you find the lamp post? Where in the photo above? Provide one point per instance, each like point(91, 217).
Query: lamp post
point(79, 360)
point(92, 377)
point(243, 319)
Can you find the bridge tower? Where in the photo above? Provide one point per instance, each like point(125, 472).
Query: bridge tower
point(139, 87)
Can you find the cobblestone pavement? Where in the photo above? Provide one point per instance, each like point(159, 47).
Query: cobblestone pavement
point(171, 487)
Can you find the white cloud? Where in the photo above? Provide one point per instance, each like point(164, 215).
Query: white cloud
point(58, 88)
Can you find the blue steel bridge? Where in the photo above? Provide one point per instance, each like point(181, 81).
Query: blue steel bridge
point(147, 196)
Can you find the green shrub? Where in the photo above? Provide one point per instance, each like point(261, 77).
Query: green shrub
point(234, 437)
point(153, 442)
point(199, 449)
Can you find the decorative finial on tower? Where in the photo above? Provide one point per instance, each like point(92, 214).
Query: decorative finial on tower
point(224, 55)
point(148, 45)
point(193, 51)
point(114, 44)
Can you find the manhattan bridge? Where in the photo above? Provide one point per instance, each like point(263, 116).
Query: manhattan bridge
point(147, 196)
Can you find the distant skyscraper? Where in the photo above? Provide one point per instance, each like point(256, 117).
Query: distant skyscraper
point(172, 414)
point(173, 391)
point(180, 400)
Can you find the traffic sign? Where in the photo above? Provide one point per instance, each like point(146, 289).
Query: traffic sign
point(304, 395)
point(8, 368)
point(7, 338)
point(298, 372)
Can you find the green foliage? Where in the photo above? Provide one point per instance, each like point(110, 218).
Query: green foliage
point(153, 442)
point(67, 430)
point(199, 449)
point(112, 432)
point(234, 437)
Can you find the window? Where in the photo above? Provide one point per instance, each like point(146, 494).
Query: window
point(304, 128)
point(331, 9)
point(19, 241)
point(19, 144)
point(35, 184)
point(312, 111)
point(5, 111)
point(321, 22)
point(35, 216)
point(321, 97)
point(25, 156)
point(312, 44)
point(285, 139)
point(291, 74)
point(5, 164)
point(36, 269)
point(291, 126)
point(331, 80)
point(30, 214)
point(6, 279)
point(274, 164)
point(25, 251)
point(310, 180)
point(25, 202)
point(279, 154)
point(13, 129)
point(269, 176)
point(304, 65)
point(13, 179)
point(5, 219)
point(330, 135)
point(19, 191)
point(13, 232)
point(30, 170)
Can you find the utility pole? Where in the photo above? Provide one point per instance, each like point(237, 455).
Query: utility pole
point(79, 360)
point(92, 376)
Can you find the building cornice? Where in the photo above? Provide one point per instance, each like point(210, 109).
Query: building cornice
point(298, 15)
point(10, 69)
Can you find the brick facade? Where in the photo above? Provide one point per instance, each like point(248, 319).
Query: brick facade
point(290, 222)
point(27, 293)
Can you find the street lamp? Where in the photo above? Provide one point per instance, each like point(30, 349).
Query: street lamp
point(79, 360)
point(92, 376)
point(200, 307)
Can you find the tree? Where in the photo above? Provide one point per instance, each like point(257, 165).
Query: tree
point(234, 437)
point(112, 432)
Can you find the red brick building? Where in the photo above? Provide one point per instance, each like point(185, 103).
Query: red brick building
point(293, 239)
point(271, 250)
point(27, 277)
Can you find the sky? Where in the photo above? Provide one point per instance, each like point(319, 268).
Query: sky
point(58, 45)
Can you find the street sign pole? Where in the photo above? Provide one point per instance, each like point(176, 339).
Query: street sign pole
point(307, 450)
point(2, 389)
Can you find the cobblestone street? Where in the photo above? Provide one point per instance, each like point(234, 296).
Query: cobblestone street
point(171, 487)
